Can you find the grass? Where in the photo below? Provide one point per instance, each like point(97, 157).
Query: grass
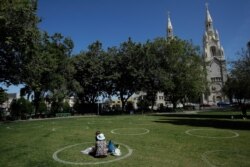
point(32, 143)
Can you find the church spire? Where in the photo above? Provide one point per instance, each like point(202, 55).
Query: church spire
point(209, 20)
point(169, 28)
point(208, 16)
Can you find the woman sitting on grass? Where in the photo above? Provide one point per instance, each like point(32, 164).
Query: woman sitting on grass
point(100, 150)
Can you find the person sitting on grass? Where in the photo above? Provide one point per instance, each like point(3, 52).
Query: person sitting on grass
point(100, 150)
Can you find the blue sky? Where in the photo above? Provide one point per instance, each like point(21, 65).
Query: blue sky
point(113, 21)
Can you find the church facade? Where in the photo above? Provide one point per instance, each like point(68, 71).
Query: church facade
point(214, 63)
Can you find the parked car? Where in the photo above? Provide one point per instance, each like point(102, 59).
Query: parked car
point(223, 104)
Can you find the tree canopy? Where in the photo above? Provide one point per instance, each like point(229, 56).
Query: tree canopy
point(238, 83)
point(18, 37)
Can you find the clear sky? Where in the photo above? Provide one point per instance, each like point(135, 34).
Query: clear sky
point(113, 21)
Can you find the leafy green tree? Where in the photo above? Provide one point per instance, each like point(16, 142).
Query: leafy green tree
point(109, 75)
point(48, 69)
point(183, 65)
point(21, 108)
point(126, 70)
point(89, 73)
point(66, 107)
point(18, 36)
point(238, 83)
point(56, 107)
point(143, 104)
point(3, 96)
point(42, 107)
point(154, 77)
point(229, 88)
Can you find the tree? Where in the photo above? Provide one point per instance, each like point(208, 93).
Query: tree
point(238, 83)
point(154, 76)
point(18, 36)
point(109, 66)
point(126, 70)
point(183, 65)
point(48, 69)
point(89, 73)
point(230, 89)
point(143, 104)
point(3, 96)
point(21, 108)
point(42, 108)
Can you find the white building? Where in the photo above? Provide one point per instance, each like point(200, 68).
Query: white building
point(214, 62)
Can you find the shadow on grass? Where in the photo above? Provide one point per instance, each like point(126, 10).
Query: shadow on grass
point(212, 116)
point(215, 121)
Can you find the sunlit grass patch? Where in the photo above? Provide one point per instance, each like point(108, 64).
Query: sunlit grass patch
point(153, 140)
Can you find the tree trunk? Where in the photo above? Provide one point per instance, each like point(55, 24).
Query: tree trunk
point(37, 99)
point(174, 105)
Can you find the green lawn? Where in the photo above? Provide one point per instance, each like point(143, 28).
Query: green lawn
point(196, 140)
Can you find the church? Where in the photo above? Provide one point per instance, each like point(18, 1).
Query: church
point(214, 61)
point(214, 65)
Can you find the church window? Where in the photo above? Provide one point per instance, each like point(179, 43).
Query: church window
point(216, 79)
point(208, 25)
point(161, 97)
point(213, 51)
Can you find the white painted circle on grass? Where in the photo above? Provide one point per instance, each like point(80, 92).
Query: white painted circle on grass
point(132, 123)
point(142, 123)
point(116, 131)
point(205, 159)
point(232, 134)
point(96, 122)
point(21, 128)
point(237, 156)
point(56, 158)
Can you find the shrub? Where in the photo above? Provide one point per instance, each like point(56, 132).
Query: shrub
point(21, 108)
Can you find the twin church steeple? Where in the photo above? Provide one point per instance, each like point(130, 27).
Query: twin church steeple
point(214, 60)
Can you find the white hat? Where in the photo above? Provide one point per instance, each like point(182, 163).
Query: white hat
point(100, 136)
